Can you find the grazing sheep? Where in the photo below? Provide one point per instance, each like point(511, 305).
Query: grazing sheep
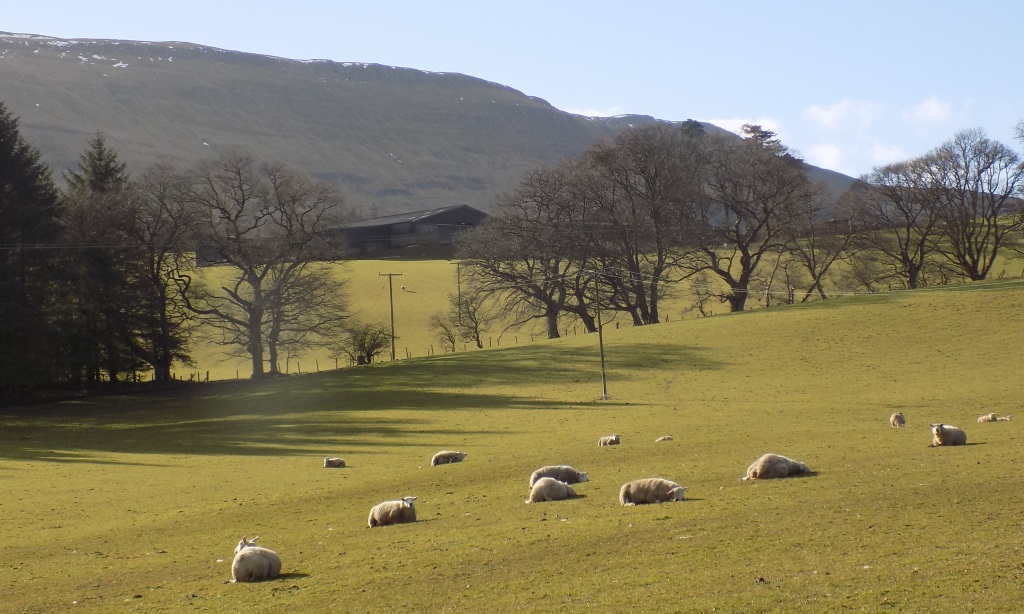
point(610, 440)
point(993, 418)
point(334, 462)
point(254, 563)
point(562, 473)
point(550, 489)
point(946, 435)
point(897, 420)
point(393, 512)
point(445, 457)
point(771, 466)
point(650, 490)
point(664, 438)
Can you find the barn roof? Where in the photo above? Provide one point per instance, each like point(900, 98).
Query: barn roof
point(412, 216)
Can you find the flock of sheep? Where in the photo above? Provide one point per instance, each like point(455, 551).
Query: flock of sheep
point(253, 563)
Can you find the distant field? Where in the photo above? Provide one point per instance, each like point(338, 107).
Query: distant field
point(134, 503)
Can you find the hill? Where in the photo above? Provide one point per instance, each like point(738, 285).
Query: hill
point(394, 139)
point(135, 502)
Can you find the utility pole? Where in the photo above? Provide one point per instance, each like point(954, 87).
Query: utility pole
point(458, 284)
point(600, 335)
point(391, 299)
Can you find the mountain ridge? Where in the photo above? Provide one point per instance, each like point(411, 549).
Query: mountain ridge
point(394, 139)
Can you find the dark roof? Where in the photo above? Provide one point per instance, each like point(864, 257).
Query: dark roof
point(412, 216)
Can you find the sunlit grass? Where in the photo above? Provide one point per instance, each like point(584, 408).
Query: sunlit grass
point(134, 503)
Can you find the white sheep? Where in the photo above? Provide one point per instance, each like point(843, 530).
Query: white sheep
point(393, 512)
point(650, 490)
point(663, 438)
point(562, 473)
point(334, 462)
point(771, 466)
point(993, 418)
point(946, 435)
point(609, 440)
point(445, 457)
point(897, 420)
point(550, 489)
point(254, 563)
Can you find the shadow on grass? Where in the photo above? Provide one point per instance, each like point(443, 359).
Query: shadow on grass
point(321, 414)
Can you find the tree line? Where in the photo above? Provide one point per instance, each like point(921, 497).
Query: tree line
point(621, 225)
point(98, 281)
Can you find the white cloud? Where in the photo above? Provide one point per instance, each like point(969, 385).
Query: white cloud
point(609, 112)
point(735, 124)
point(860, 112)
point(930, 111)
point(825, 156)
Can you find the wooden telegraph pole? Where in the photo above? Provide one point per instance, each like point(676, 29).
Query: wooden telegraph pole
point(391, 299)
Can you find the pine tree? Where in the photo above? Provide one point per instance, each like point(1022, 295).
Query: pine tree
point(28, 228)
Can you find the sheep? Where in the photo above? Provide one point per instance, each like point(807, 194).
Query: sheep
point(550, 489)
point(393, 512)
point(897, 420)
point(334, 462)
point(562, 473)
point(993, 418)
point(946, 435)
point(771, 466)
point(254, 563)
point(610, 440)
point(663, 438)
point(650, 490)
point(445, 457)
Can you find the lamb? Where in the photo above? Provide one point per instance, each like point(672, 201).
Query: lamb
point(897, 420)
point(650, 490)
point(550, 489)
point(771, 466)
point(993, 418)
point(254, 563)
point(334, 462)
point(393, 512)
point(610, 440)
point(946, 435)
point(445, 457)
point(562, 473)
point(663, 438)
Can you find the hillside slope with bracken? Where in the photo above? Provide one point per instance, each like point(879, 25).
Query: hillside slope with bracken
point(394, 139)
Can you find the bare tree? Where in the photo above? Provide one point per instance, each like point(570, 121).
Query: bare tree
point(267, 223)
point(979, 184)
point(161, 224)
point(756, 195)
point(898, 220)
point(365, 342)
point(445, 330)
point(642, 183)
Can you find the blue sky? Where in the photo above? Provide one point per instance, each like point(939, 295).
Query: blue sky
point(848, 85)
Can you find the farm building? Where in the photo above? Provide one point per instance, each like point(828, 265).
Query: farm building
point(431, 227)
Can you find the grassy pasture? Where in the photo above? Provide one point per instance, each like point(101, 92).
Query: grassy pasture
point(134, 503)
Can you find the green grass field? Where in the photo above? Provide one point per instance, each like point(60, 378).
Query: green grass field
point(134, 503)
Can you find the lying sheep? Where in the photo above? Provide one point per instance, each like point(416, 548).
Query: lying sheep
point(897, 420)
point(445, 457)
point(254, 563)
point(664, 438)
point(550, 489)
point(650, 490)
point(609, 440)
point(334, 462)
point(562, 473)
point(393, 512)
point(771, 466)
point(993, 418)
point(946, 435)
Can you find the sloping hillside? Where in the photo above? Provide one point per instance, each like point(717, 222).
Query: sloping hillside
point(395, 139)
